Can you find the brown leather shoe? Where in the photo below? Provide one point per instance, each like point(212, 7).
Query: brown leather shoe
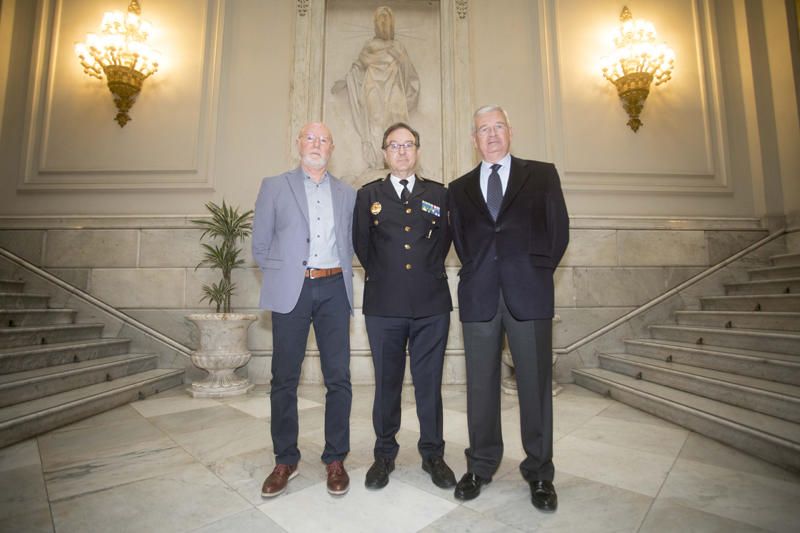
point(338, 480)
point(277, 481)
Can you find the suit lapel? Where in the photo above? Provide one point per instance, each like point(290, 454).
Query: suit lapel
point(473, 190)
point(388, 189)
point(517, 177)
point(419, 188)
point(295, 180)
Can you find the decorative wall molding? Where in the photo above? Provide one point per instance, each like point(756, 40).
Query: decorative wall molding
point(581, 175)
point(308, 75)
point(302, 7)
point(195, 171)
point(462, 7)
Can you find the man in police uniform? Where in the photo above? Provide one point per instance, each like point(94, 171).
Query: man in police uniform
point(401, 236)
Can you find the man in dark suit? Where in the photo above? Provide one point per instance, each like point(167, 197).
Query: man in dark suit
point(401, 237)
point(302, 243)
point(510, 229)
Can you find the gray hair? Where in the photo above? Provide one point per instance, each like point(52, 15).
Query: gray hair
point(488, 109)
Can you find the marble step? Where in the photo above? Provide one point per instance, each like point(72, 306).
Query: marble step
point(24, 420)
point(760, 302)
point(773, 439)
point(775, 272)
point(783, 321)
point(35, 317)
point(776, 399)
point(770, 286)
point(786, 259)
point(31, 357)
point(32, 384)
point(19, 300)
point(11, 285)
point(748, 339)
point(13, 337)
point(782, 368)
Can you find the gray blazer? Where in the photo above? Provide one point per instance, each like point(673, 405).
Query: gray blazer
point(281, 237)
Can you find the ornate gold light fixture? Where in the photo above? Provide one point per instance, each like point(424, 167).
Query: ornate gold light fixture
point(120, 52)
point(637, 61)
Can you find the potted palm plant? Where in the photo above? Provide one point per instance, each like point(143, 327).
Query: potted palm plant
point(223, 334)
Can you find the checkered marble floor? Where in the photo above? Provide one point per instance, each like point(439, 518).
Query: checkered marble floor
point(173, 463)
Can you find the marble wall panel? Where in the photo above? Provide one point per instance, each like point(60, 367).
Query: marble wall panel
point(147, 287)
point(793, 241)
point(674, 276)
point(25, 243)
point(95, 248)
point(723, 244)
point(608, 287)
point(79, 277)
point(172, 247)
point(564, 280)
point(651, 248)
point(590, 247)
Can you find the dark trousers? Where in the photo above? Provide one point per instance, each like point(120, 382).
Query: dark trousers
point(322, 302)
point(427, 339)
point(530, 342)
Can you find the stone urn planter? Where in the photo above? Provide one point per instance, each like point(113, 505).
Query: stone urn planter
point(223, 349)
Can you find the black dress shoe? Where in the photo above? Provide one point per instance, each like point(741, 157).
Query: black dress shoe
point(378, 473)
point(440, 473)
point(543, 496)
point(469, 487)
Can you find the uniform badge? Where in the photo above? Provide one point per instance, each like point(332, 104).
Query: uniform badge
point(431, 209)
point(375, 208)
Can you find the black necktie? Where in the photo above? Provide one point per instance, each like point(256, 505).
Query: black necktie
point(405, 193)
point(494, 192)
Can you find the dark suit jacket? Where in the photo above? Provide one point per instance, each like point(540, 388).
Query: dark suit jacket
point(402, 248)
point(519, 252)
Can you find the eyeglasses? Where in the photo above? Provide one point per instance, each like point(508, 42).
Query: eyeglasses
point(311, 139)
point(394, 147)
point(498, 128)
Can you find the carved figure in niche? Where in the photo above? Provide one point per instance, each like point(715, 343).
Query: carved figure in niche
point(382, 87)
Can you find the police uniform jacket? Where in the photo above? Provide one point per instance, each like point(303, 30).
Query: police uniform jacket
point(402, 248)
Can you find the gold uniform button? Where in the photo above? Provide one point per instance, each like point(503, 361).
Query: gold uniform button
point(433, 222)
point(407, 246)
point(408, 210)
point(408, 266)
point(407, 229)
point(375, 222)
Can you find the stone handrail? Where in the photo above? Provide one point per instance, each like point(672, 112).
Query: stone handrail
point(670, 293)
point(91, 300)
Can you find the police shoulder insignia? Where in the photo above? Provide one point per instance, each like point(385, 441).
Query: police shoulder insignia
point(375, 208)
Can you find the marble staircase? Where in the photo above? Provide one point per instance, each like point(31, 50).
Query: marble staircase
point(729, 370)
point(55, 369)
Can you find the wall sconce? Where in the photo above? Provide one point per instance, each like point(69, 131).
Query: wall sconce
point(636, 62)
point(121, 53)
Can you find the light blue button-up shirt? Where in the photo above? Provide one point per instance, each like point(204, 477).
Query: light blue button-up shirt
point(322, 236)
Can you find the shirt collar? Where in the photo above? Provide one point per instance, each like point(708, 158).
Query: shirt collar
point(505, 163)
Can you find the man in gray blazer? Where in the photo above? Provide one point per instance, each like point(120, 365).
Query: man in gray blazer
point(302, 242)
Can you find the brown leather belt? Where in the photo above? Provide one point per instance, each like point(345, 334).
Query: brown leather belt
point(316, 273)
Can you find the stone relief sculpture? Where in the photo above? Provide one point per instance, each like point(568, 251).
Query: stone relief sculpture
point(382, 87)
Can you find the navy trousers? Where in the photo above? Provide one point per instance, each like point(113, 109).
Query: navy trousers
point(323, 303)
point(426, 339)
